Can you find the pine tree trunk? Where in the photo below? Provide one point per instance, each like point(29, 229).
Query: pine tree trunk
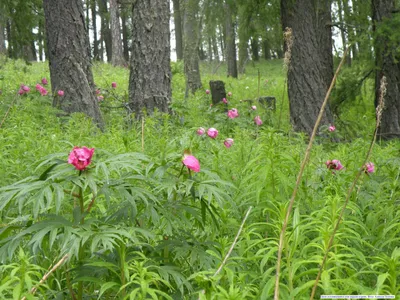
point(388, 65)
point(94, 26)
point(308, 73)
point(342, 30)
point(150, 71)
point(230, 43)
point(243, 43)
point(3, 49)
point(178, 29)
point(105, 28)
point(190, 52)
point(266, 49)
point(70, 67)
point(125, 34)
point(254, 49)
point(215, 47)
point(117, 58)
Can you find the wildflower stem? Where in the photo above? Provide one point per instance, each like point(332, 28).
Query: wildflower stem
point(299, 177)
point(360, 172)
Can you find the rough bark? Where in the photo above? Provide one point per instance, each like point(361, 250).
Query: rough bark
point(230, 42)
point(308, 73)
point(94, 27)
point(117, 57)
point(69, 60)
point(190, 52)
point(178, 29)
point(105, 28)
point(150, 71)
point(388, 65)
point(243, 33)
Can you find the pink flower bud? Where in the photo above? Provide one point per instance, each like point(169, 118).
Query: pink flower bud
point(224, 100)
point(254, 107)
point(331, 128)
point(212, 133)
point(334, 164)
point(25, 88)
point(44, 81)
point(98, 91)
point(229, 94)
point(191, 163)
point(258, 121)
point(113, 85)
point(100, 98)
point(207, 92)
point(369, 168)
point(80, 158)
point(228, 142)
point(200, 131)
point(60, 93)
point(233, 113)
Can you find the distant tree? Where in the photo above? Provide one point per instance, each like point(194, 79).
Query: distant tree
point(150, 70)
point(105, 29)
point(125, 17)
point(93, 10)
point(117, 57)
point(3, 48)
point(230, 38)
point(310, 70)
point(178, 29)
point(387, 59)
point(69, 58)
point(191, 46)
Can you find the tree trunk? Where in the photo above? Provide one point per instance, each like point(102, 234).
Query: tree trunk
point(266, 49)
point(190, 52)
point(70, 67)
point(125, 34)
point(105, 28)
point(388, 65)
point(243, 43)
point(178, 29)
point(254, 49)
point(308, 73)
point(94, 26)
point(343, 31)
point(3, 49)
point(215, 47)
point(230, 42)
point(150, 71)
point(117, 58)
point(350, 29)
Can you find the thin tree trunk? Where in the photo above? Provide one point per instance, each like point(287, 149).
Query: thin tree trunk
point(117, 58)
point(3, 49)
point(190, 52)
point(125, 34)
point(178, 29)
point(215, 47)
point(94, 26)
point(255, 49)
point(350, 29)
point(230, 42)
point(388, 65)
point(266, 49)
point(69, 59)
point(342, 30)
point(105, 28)
point(150, 71)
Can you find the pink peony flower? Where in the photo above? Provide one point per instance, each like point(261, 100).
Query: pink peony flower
point(60, 93)
point(224, 100)
point(254, 107)
point(233, 113)
point(25, 88)
point(212, 133)
point(207, 92)
point(98, 91)
point(21, 92)
point(369, 167)
point(43, 92)
point(100, 98)
point(44, 81)
point(228, 142)
point(80, 158)
point(229, 94)
point(258, 121)
point(191, 163)
point(200, 131)
point(38, 87)
point(334, 164)
point(113, 85)
point(331, 128)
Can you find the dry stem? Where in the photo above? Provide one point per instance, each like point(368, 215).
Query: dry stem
point(350, 191)
point(44, 278)
point(299, 176)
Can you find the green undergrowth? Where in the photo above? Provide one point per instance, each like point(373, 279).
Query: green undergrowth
point(157, 231)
